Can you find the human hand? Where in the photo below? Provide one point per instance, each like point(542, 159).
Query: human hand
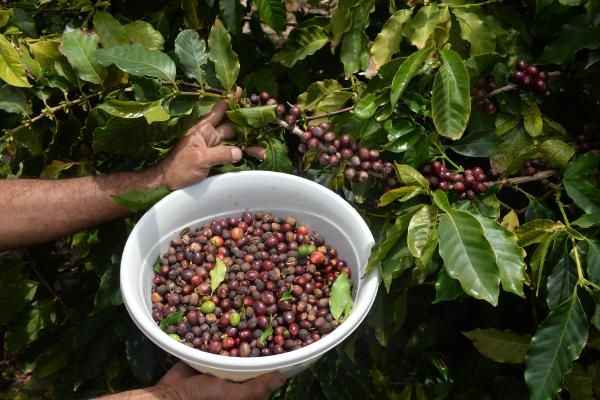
point(199, 150)
point(188, 384)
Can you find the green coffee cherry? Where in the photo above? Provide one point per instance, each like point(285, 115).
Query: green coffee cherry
point(234, 318)
point(306, 249)
point(207, 307)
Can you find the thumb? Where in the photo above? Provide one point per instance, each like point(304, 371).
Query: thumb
point(220, 155)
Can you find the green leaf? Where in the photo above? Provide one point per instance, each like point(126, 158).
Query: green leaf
point(480, 31)
point(451, 99)
point(340, 300)
point(231, 13)
point(387, 42)
point(227, 64)
point(109, 292)
point(5, 17)
point(276, 158)
point(324, 96)
point(46, 52)
point(410, 176)
point(27, 328)
point(446, 288)
point(353, 52)
point(395, 263)
point(420, 229)
point(301, 43)
point(535, 231)
point(500, 346)
point(510, 258)
point(217, 274)
point(580, 383)
point(403, 193)
point(573, 36)
point(587, 220)
point(390, 238)
point(272, 13)
point(55, 168)
point(406, 72)
point(579, 183)
point(286, 296)
point(255, 117)
point(12, 70)
point(13, 100)
point(561, 282)
point(440, 199)
point(153, 111)
point(81, 50)
point(268, 332)
point(16, 291)
point(171, 319)
point(110, 31)
point(423, 25)
point(139, 200)
point(143, 33)
point(514, 149)
point(341, 21)
point(467, 255)
point(135, 59)
point(532, 118)
point(593, 260)
point(556, 153)
point(558, 342)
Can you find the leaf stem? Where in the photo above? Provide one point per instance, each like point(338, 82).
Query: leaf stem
point(445, 157)
point(506, 88)
point(524, 179)
point(329, 114)
point(580, 276)
point(561, 207)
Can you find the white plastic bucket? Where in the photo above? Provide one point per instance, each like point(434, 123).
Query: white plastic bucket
point(231, 194)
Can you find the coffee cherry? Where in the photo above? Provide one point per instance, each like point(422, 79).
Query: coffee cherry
point(290, 119)
point(350, 173)
point(254, 98)
point(324, 159)
point(459, 187)
point(532, 71)
point(355, 161)
point(364, 154)
point(329, 137)
point(363, 176)
point(295, 111)
point(280, 110)
point(444, 186)
point(264, 96)
point(491, 108)
point(540, 86)
point(316, 131)
point(522, 65)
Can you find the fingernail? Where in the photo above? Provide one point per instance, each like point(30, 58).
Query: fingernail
point(236, 154)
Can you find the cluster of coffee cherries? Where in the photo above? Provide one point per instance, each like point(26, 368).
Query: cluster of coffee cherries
point(466, 184)
point(532, 167)
point(360, 162)
point(530, 77)
point(272, 297)
point(480, 93)
point(290, 115)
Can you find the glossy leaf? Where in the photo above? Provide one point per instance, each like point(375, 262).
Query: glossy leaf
point(579, 185)
point(535, 231)
point(255, 117)
point(407, 71)
point(301, 43)
point(446, 288)
point(510, 258)
point(153, 111)
point(593, 260)
point(500, 346)
point(587, 220)
point(227, 64)
point(46, 52)
point(171, 319)
point(138, 200)
point(13, 100)
point(410, 176)
point(340, 300)
point(143, 33)
point(135, 59)
point(403, 193)
point(276, 158)
point(561, 282)
point(420, 229)
point(341, 20)
point(425, 22)
point(231, 14)
point(191, 53)
point(395, 263)
point(272, 13)
point(387, 42)
point(481, 32)
point(558, 342)
point(217, 274)
point(451, 99)
point(353, 52)
point(81, 50)
point(467, 255)
point(510, 221)
point(12, 70)
point(109, 30)
point(532, 118)
point(556, 153)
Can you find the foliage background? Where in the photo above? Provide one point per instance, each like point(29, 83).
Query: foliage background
point(74, 103)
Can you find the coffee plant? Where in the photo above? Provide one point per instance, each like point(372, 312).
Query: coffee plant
point(465, 133)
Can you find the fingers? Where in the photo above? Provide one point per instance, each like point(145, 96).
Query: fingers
point(226, 131)
point(214, 136)
point(256, 152)
point(177, 372)
point(220, 155)
point(215, 115)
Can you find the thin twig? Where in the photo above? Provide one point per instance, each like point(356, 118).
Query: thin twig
point(295, 130)
point(48, 112)
point(524, 179)
point(502, 89)
point(329, 114)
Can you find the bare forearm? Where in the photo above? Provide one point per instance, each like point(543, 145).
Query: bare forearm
point(160, 392)
point(35, 210)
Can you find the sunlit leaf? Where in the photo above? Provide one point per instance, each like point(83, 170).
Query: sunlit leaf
point(217, 274)
point(301, 43)
point(135, 59)
point(80, 48)
point(340, 299)
point(12, 70)
point(407, 71)
point(387, 42)
point(227, 64)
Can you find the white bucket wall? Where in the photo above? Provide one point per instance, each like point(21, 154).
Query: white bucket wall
point(231, 194)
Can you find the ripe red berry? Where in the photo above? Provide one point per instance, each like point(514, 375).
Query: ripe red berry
point(427, 169)
point(264, 96)
point(481, 187)
point(329, 137)
point(324, 159)
point(532, 71)
point(434, 181)
point(334, 160)
point(313, 143)
point(345, 140)
point(346, 153)
point(522, 65)
point(444, 186)
point(490, 108)
point(355, 161)
point(350, 173)
point(364, 154)
point(540, 86)
point(363, 176)
point(374, 155)
point(254, 98)
point(459, 187)
point(437, 167)
point(542, 75)
point(526, 81)
point(295, 111)
point(280, 110)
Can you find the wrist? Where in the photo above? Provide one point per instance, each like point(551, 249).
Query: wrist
point(155, 177)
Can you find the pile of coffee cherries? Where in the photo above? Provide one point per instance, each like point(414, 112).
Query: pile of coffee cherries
point(530, 77)
point(480, 93)
point(466, 184)
point(273, 297)
point(332, 150)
